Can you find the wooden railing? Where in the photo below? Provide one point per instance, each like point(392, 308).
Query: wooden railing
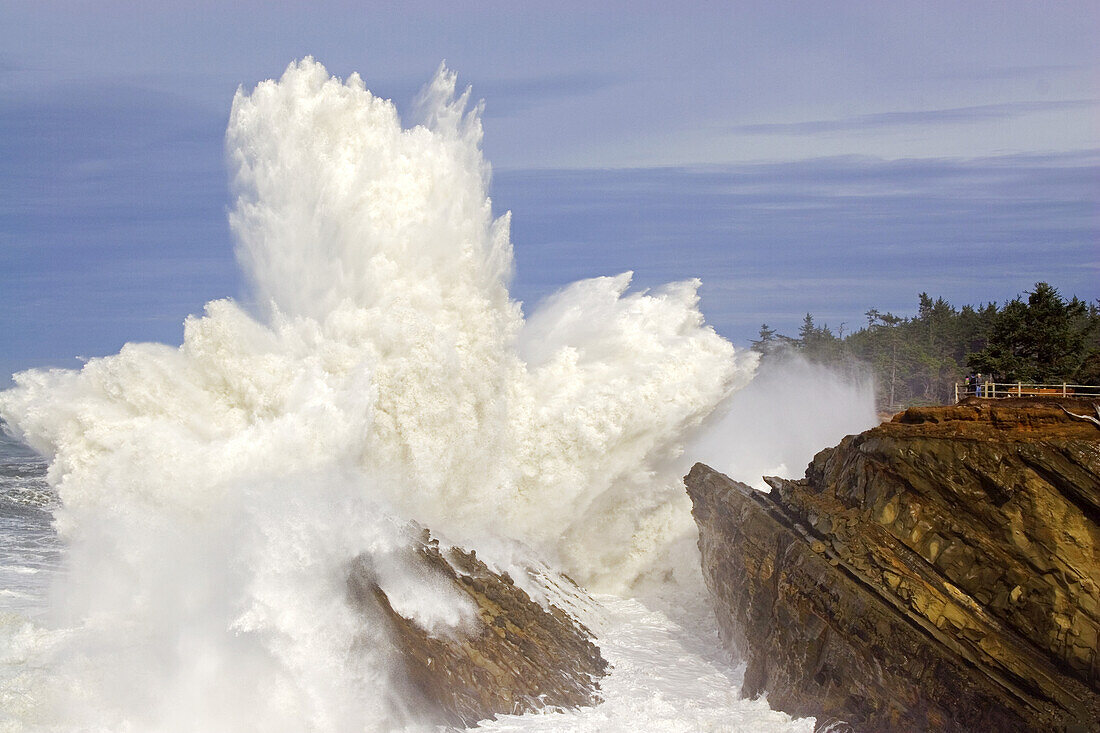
point(1001, 390)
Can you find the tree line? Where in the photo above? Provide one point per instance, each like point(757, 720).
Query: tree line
point(1039, 337)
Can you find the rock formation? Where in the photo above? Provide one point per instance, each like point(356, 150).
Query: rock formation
point(938, 572)
point(519, 657)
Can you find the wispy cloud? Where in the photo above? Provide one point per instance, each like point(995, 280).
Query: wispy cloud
point(879, 120)
point(512, 95)
point(1008, 72)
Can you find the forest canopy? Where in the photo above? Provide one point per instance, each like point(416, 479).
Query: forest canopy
point(1038, 337)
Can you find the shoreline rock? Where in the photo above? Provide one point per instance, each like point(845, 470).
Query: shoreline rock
point(519, 657)
point(940, 571)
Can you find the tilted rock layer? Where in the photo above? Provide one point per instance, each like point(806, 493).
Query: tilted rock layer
point(518, 657)
point(938, 572)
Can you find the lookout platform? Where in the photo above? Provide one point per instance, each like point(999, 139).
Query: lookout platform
point(1004, 390)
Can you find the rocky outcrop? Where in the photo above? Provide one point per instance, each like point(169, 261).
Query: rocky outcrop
point(938, 572)
point(517, 657)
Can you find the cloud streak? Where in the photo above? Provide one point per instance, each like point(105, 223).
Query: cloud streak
point(506, 97)
point(883, 120)
point(1010, 72)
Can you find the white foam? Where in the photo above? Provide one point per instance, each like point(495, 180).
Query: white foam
point(667, 678)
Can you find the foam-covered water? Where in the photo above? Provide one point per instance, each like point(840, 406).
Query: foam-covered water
point(29, 551)
point(668, 676)
point(211, 496)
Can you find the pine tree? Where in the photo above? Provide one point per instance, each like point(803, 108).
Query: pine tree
point(766, 342)
point(1040, 340)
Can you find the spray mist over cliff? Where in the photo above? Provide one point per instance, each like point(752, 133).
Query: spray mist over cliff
point(792, 409)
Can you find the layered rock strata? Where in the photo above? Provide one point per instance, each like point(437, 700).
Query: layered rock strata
point(938, 572)
point(518, 656)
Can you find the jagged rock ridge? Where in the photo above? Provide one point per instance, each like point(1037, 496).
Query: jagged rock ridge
point(520, 656)
point(939, 572)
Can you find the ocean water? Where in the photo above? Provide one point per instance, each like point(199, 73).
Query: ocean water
point(177, 560)
point(29, 549)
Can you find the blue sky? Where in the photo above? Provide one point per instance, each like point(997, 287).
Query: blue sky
point(805, 156)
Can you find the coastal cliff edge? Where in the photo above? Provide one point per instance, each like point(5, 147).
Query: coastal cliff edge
point(938, 572)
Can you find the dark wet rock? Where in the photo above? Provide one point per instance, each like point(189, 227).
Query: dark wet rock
point(938, 572)
point(517, 657)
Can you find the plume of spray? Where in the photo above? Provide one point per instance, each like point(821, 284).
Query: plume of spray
point(792, 409)
point(213, 494)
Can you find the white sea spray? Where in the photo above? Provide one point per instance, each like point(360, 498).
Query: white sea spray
point(212, 495)
point(792, 409)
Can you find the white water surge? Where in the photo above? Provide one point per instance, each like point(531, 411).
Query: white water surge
point(211, 495)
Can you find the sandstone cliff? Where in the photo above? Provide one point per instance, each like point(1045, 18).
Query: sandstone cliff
point(938, 572)
point(518, 657)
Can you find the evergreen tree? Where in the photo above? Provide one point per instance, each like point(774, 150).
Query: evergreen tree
point(767, 341)
point(1089, 373)
point(772, 343)
point(1040, 340)
point(889, 362)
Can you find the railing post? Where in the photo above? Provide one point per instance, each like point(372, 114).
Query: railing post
point(1019, 392)
point(956, 393)
point(1063, 389)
